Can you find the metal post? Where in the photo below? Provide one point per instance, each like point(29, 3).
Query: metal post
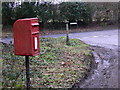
point(27, 73)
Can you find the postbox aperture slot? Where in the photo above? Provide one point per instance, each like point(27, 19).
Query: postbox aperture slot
point(35, 24)
point(37, 32)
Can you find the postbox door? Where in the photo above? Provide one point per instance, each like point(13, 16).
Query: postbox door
point(35, 39)
point(35, 36)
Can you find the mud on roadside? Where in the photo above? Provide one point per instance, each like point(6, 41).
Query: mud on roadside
point(104, 73)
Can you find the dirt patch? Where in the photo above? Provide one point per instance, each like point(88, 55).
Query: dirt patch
point(106, 73)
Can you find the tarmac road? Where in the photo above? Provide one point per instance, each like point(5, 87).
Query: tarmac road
point(105, 46)
point(107, 38)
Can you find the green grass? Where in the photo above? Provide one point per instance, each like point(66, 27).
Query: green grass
point(59, 65)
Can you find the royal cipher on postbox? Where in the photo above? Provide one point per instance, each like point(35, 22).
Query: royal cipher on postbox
point(26, 37)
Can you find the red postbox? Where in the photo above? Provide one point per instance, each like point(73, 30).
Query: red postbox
point(26, 37)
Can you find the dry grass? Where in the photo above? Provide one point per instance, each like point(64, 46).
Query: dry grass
point(60, 67)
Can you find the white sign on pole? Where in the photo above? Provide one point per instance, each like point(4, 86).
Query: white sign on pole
point(73, 23)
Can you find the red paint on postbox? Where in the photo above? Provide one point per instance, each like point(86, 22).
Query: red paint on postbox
point(26, 37)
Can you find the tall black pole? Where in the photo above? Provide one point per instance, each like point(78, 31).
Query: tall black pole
point(27, 73)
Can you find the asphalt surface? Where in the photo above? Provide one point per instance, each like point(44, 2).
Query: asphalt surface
point(105, 46)
point(107, 38)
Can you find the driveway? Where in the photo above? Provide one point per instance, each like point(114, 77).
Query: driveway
point(105, 46)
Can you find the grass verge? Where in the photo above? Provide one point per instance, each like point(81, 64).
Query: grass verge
point(58, 65)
